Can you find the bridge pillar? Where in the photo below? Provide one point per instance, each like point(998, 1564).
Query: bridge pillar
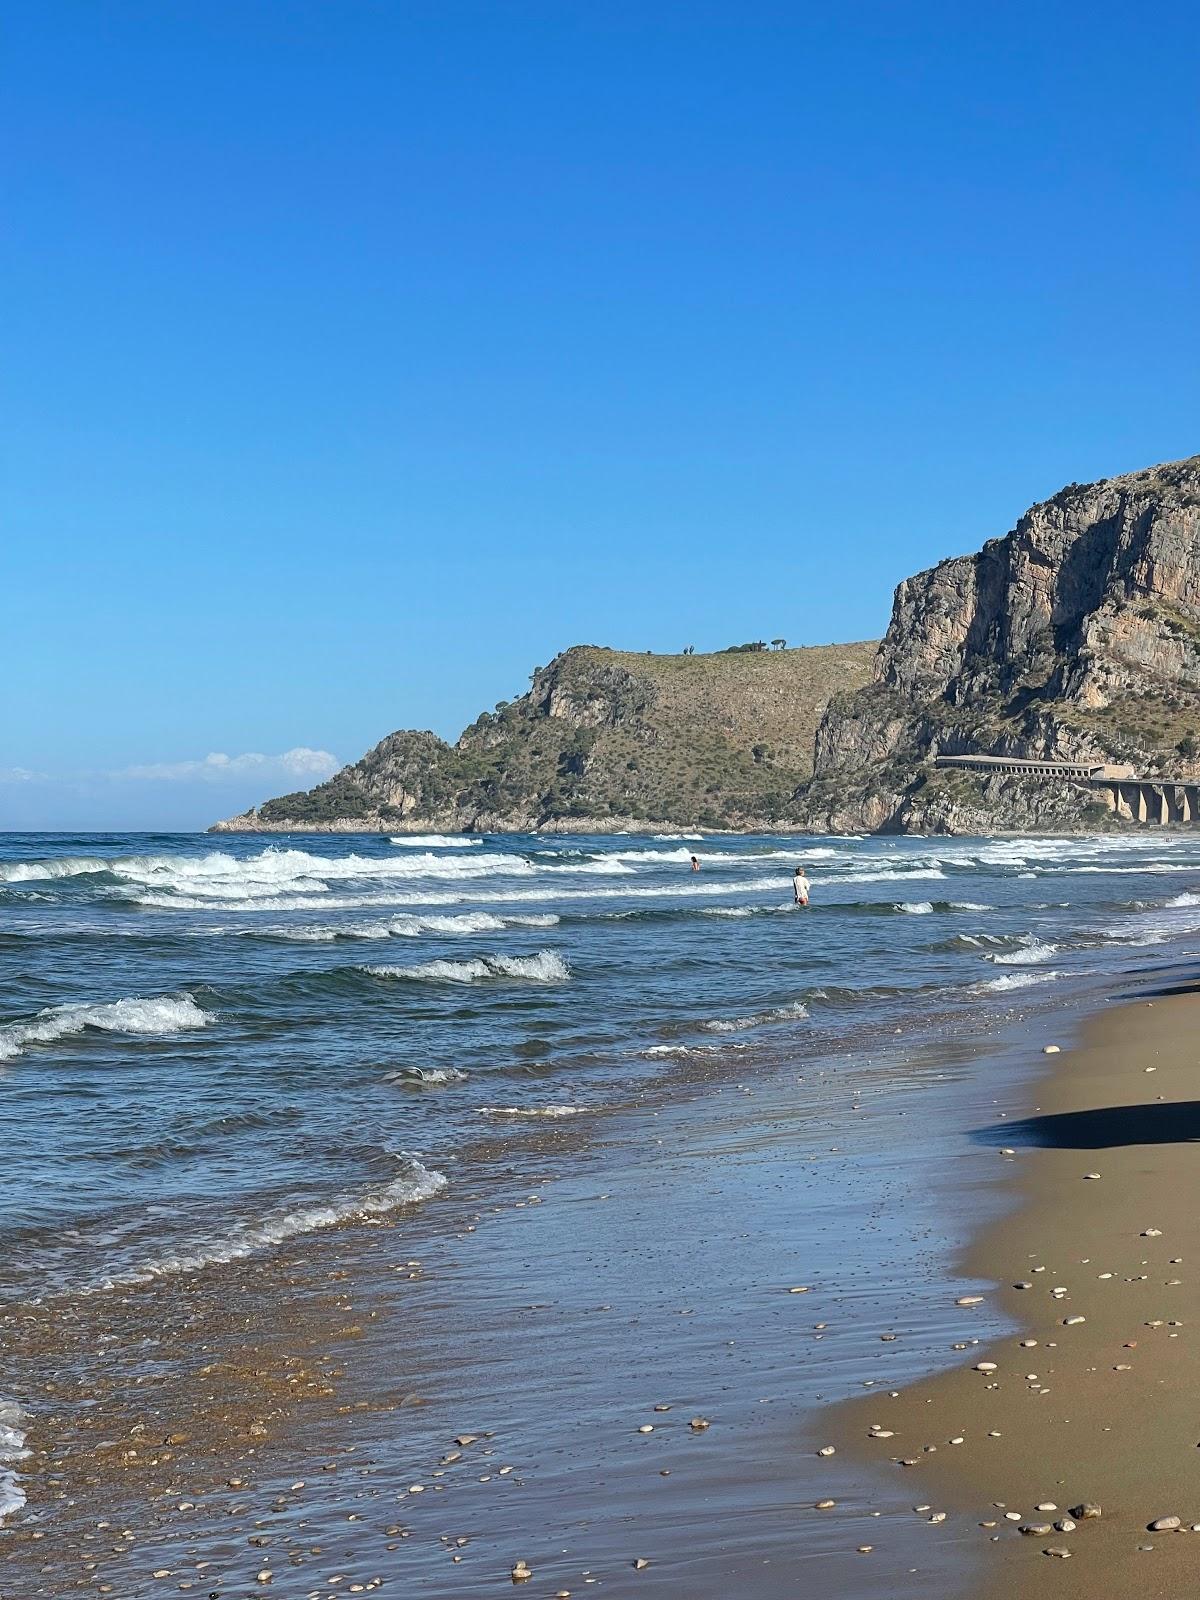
point(1140, 808)
point(1191, 804)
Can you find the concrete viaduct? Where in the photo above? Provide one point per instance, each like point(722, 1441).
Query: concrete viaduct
point(1150, 800)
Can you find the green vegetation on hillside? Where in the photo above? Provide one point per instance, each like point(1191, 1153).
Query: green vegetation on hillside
point(715, 740)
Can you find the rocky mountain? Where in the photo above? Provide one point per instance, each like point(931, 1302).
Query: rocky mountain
point(603, 740)
point(1075, 636)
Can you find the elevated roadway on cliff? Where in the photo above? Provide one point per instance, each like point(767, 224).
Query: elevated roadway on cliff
point(1155, 801)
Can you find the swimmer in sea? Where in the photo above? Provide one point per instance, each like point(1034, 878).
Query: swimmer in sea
point(800, 886)
point(695, 863)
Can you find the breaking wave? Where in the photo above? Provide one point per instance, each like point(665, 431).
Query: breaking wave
point(1018, 980)
point(789, 1013)
point(547, 966)
point(406, 927)
point(531, 1111)
point(426, 1077)
point(416, 1183)
point(1032, 953)
point(918, 908)
point(165, 1015)
point(435, 841)
point(12, 1448)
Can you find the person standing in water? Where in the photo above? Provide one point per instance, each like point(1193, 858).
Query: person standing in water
point(695, 863)
point(800, 886)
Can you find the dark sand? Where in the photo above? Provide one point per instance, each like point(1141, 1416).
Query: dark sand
point(1106, 1409)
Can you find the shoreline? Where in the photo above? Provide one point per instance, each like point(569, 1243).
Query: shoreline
point(1090, 1400)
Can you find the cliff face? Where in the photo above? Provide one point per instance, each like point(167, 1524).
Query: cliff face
point(1076, 635)
point(603, 740)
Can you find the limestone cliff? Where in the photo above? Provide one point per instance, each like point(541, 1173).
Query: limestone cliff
point(1076, 635)
point(603, 740)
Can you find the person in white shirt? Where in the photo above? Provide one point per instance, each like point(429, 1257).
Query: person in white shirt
point(800, 886)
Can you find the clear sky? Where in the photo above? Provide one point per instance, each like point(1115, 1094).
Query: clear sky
point(359, 356)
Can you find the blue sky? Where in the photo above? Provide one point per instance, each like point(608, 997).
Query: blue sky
point(360, 356)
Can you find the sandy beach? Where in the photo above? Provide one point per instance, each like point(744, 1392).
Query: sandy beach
point(1091, 1400)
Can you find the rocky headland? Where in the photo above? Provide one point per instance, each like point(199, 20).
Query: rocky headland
point(1076, 636)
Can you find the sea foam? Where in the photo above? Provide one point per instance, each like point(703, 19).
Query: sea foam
point(12, 1449)
point(163, 1015)
point(415, 1183)
point(547, 966)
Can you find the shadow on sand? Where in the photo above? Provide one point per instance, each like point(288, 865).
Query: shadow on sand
point(1101, 1129)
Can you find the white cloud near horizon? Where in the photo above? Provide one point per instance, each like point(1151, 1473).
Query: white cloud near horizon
point(300, 763)
point(19, 775)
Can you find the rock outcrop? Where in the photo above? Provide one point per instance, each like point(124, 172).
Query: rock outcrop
point(604, 740)
point(1076, 636)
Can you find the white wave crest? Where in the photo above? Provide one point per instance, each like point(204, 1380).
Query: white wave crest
point(789, 1013)
point(415, 1183)
point(54, 867)
point(12, 1449)
point(435, 841)
point(918, 908)
point(547, 966)
point(531, 1111)
point(425, 1077)
point(163, 1015)
point(1187, 898)
point(268, 873)
point(1018, 980)
point(969, 905)
point(727, 911)
point(1031, 954)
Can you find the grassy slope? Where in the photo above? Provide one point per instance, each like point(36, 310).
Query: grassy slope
point(716, 738)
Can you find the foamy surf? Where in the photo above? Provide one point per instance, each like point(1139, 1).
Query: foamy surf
point(434, 841)
point(416, 1183)
point(1017, 980)
point(426, 1077)
point(12, 1449)
point(531, 1111)
point(165, 1014)
point(757, 1019)
point(547, 966)
point(1030, 954)
point(406, 927)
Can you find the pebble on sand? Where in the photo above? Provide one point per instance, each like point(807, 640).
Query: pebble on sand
point(1086, 1510)
point(969, 1300)
point(985, 1366)
point(521, 1571)
point(827, 1450)
point(1051, 1049)
point(1163, 1524)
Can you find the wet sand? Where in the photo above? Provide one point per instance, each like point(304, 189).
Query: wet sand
point(746, 1257)
point(1095, 1395)
point(299, 1416)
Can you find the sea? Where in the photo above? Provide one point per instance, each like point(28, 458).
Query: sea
point(215, 1048)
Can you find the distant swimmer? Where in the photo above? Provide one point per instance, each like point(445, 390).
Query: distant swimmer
point(800, 886)
point(695, 863)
